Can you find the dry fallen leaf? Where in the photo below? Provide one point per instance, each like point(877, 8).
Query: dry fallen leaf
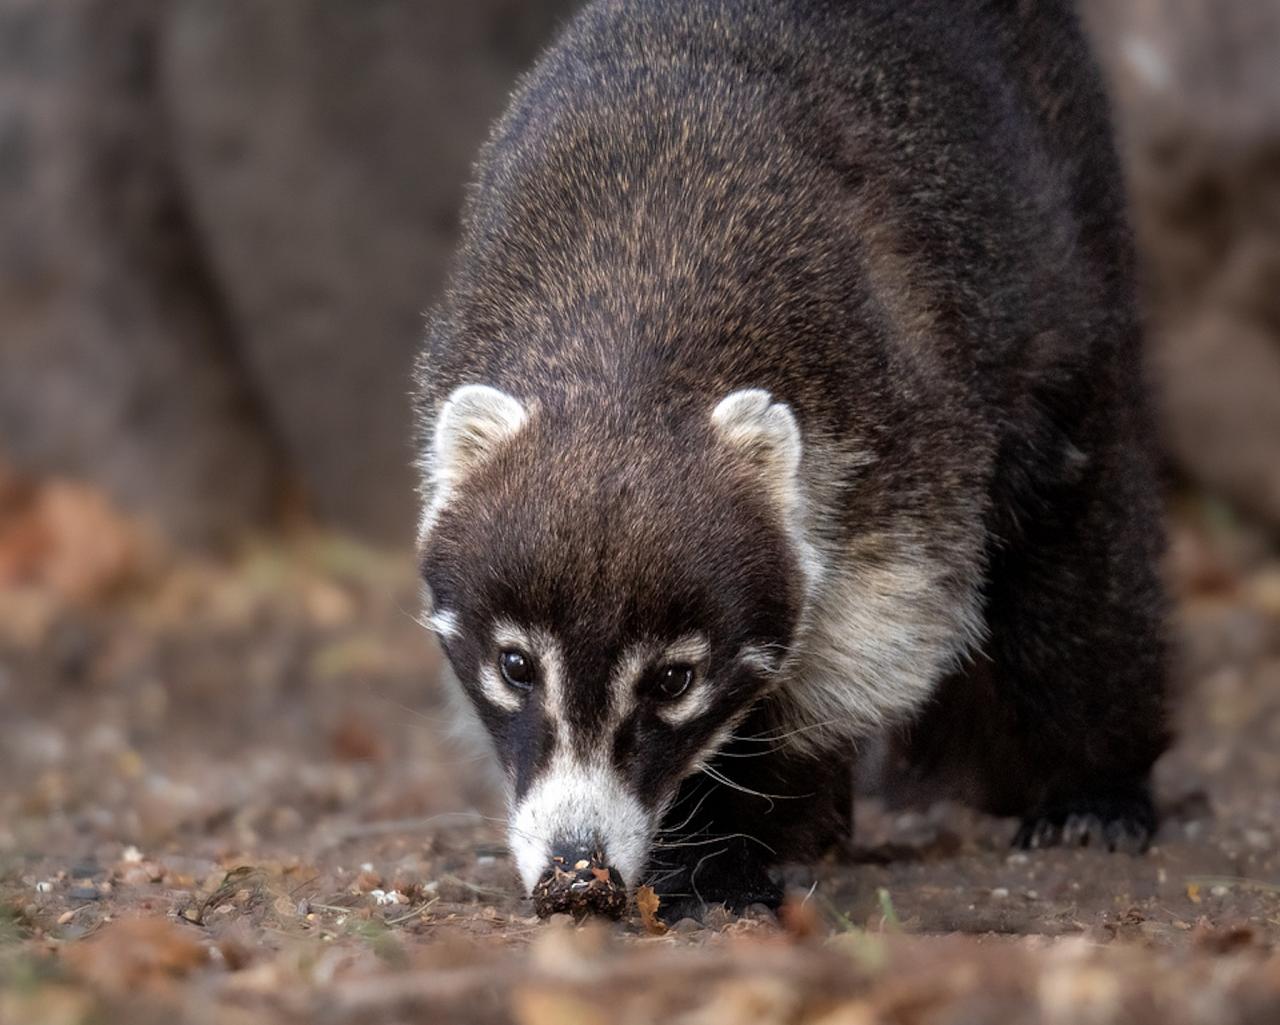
point(137, 953)
point(542, 1006)
point(647, 903)
point(800, 918)
point(66, 539)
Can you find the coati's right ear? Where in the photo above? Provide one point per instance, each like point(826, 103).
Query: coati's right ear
point(472, 424)
point(764, 431)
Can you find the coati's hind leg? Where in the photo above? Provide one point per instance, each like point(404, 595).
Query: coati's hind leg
point(761, 802)
point(1061, 716)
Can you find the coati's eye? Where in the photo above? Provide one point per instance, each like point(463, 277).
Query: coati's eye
point(517, 668)
point(672, 681)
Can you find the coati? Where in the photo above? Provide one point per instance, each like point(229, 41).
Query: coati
point(786, 404)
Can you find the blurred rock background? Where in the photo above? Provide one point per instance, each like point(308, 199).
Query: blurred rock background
point(220, 224)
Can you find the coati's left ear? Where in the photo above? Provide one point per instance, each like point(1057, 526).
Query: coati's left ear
point(473, 423)
point(765, 432)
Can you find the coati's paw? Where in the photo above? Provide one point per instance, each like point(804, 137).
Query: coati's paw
point(1124, 824)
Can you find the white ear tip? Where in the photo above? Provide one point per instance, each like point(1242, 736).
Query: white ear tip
point(472, 423)
point(751, 420)
point(741, 406)
point(481, 400)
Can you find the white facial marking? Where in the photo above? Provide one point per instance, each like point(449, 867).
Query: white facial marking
point(581, 803)
point(497, 691)
point(623, 681)
point(443, 622)
point(471, 425)
point(691, 650)
point(580, 798)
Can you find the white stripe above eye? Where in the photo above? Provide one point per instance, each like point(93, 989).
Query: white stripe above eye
point(692, 650)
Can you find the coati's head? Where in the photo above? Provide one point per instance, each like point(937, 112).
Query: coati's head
point(614, 590)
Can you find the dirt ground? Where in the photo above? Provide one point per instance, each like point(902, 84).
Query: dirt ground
point(229, 793)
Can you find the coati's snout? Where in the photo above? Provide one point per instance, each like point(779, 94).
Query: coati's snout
point(612, 604)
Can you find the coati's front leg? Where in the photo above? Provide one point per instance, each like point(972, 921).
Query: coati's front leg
point(1062, 715)
point(1077, 615)
point(761, 802)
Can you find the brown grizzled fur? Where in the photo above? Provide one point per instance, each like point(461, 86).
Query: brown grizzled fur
point(904, 220)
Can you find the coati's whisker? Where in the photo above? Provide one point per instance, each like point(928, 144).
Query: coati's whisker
point(446, 724)
point(719, 777)
point(689, 818)
point(658, 878)
point(715, 838)
point(512, 828)
point(770, 736)
point(693, 876)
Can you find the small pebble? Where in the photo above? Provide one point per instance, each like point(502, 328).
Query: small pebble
point(687, 925)
point(999, 893)
point(84, 893)
point(44, 886)
point(385, 898)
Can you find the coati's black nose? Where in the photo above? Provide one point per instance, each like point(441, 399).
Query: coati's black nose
point(579, 882)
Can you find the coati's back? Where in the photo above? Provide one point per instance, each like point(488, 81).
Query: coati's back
point(695, 185)
point(772, 328)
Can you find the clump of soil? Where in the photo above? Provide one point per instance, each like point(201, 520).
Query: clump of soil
point(586, 887)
